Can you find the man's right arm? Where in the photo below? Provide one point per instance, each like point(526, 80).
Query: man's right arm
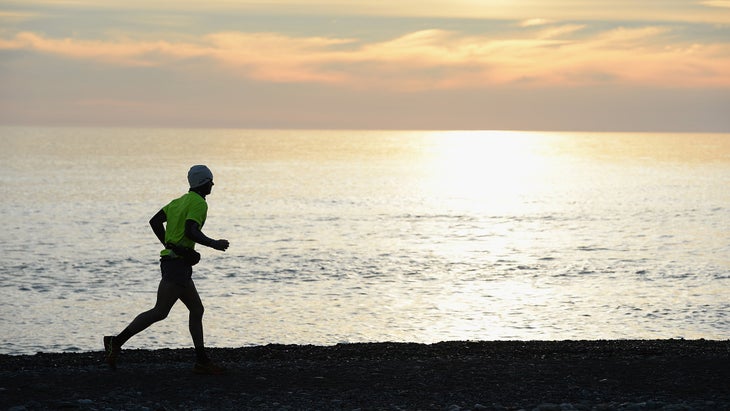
point(192, 231)
point(157, 222)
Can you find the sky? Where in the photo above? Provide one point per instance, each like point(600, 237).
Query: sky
point(563, 65)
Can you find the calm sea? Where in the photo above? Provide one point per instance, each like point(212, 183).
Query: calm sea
point(358, 236)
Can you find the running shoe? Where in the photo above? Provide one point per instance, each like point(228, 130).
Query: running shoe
point(112, 352)
point(208, 368)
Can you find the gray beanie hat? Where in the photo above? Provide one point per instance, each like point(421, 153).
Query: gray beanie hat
point(199, 175)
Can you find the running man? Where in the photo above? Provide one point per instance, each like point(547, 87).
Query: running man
point(185, 217)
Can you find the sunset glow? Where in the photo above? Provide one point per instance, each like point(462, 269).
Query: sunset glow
point(349, 56)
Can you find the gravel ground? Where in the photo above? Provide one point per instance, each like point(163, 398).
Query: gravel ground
point(502, 375)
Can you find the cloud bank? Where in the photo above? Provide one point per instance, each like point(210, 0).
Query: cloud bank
point(521, 64)
point(552, 55)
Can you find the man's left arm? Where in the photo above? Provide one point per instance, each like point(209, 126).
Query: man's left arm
point(157, 222)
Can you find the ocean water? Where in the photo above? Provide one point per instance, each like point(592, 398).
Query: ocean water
point(358, 236)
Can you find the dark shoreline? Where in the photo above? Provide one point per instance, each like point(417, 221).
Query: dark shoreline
point(487, 375)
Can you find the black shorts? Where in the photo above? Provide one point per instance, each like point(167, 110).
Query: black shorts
point(176, 270)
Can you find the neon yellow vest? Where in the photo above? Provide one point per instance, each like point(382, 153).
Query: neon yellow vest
point(190, 206)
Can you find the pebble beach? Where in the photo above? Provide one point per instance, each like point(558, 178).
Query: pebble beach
point(465, 375)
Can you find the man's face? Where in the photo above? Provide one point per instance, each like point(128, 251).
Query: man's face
point(207, 188)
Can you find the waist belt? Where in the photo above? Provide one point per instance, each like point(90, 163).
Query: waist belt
point(190, 256)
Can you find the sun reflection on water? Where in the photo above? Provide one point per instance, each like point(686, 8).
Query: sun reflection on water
point(487, 170)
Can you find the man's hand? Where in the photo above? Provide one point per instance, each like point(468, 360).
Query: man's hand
point(220, 245)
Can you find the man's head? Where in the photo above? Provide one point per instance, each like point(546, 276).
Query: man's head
point(199, 177)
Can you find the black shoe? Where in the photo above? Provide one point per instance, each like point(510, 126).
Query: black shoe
point(111, 352)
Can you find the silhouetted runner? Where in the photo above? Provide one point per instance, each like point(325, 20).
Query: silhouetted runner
point(185, 217)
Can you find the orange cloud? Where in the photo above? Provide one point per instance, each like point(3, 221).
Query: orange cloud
point(717, 3)
point(277, 58)
point(534, 22)
point(541, 56)
point(126, 52)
